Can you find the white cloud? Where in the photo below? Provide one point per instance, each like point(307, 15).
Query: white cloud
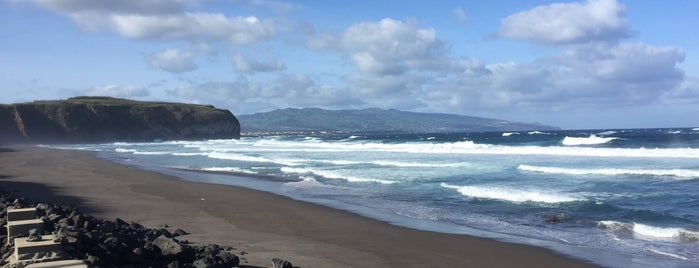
point(685, 92)
point(159, 19)
point(276, 6)
point(247, 65)
point(119, 91)
point(392, 57)
point(568, 23)
point(287, 90)
point(629, 62)
point(460, 15)
point(109, 6)
point(172, 60)
point(384, 47)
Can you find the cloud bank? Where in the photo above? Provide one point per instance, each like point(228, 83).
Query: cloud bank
point(395, 63)
point(161, 19)
point(568, 23)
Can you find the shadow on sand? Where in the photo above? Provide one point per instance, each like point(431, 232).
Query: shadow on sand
point(40, 193)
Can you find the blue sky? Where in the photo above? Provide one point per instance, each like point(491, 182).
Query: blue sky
point(573, 64)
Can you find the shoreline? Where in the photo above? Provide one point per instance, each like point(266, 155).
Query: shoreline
point(262, 224)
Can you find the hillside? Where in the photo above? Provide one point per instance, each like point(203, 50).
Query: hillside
point(371, 120)
point(104, 119)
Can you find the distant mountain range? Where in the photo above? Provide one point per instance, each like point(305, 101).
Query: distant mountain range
point(374, 120)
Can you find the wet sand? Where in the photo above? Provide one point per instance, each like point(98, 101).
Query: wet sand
point(261, 224)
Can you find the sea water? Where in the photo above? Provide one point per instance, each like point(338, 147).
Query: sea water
point(621, 198)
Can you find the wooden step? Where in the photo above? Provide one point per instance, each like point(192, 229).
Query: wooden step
point(21, 228)
point(23, 248)
point(20, 214)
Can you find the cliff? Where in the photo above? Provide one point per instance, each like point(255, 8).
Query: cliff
point(104, 119)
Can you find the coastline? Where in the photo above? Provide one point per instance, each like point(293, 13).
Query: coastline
point(262, 224)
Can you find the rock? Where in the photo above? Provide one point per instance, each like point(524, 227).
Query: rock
point(118, 244)
point(107, 226)
point(279, 263)
point(119, 223)
point(137, 255)
point(34, 236)
point(204, 263)
point(179, 232)
point(136, 226)
point(92, 259)
point(556, 218)
point(71, 239)
point(54, 217)
point(89, 225)
point(168, 246)
point(229, 259)
point(174, 264)
point(111, 240)
point(42, 206)
point(61, 234)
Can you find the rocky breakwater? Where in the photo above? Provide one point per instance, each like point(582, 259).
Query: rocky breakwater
point(103, 243)
point(105, 119)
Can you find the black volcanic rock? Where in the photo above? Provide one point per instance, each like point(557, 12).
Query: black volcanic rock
point(114, 243)
point(104, 119)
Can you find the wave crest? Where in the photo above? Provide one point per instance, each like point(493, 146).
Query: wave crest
point(510, 195)
point(649, 232)
point(591, 140)
point(680, 173)
point(332, 175)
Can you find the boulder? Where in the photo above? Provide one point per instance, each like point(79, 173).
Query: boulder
point(168, 246)
point(280, 263)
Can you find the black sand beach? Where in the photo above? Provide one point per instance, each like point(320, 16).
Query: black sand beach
point(263, 225)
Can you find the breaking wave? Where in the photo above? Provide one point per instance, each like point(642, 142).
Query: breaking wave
point(467, 147)
point(121, 150)
point(649, 232)
point(591, 140)
point(328, 174)
point(680, 173)
point(218, 169)
point(510, 195)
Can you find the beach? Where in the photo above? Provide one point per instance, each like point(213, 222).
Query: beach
point(260, 225)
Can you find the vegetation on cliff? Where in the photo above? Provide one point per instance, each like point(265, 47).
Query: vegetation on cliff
point(105, 119)
point(371, 120)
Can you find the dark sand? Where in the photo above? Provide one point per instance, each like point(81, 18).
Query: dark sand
point(262, 224)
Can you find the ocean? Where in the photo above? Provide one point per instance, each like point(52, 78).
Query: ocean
point(619, 198)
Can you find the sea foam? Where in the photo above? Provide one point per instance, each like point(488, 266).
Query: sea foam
point(121, 150)
point(460, 147)
point(649, 232)
point(510, 194)
point(591, 140)
point(328, 174)
point(239, 157)
point(680, 173)
point(217, 169)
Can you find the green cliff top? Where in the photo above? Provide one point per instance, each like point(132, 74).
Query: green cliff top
point(109, 101)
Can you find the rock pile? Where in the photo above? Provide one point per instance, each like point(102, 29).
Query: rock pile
point(118, 243)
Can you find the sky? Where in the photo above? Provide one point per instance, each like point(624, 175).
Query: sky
point(587, 64)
